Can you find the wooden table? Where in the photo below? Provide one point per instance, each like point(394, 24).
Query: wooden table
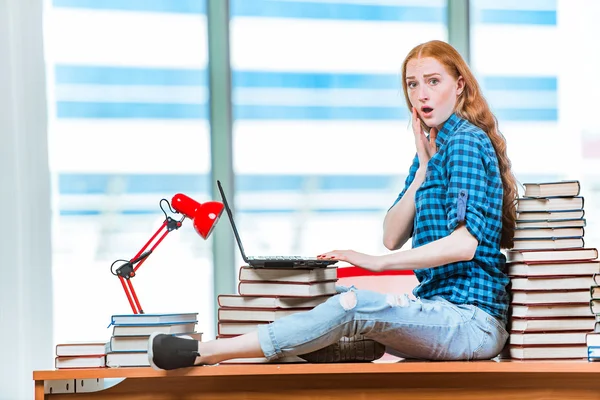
point(488, 380)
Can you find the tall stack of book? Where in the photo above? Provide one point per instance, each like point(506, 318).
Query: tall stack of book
point(267, 294)
point(128, 345)
point(551, 272)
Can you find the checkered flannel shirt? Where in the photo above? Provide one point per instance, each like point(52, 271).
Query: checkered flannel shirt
point(462, 186)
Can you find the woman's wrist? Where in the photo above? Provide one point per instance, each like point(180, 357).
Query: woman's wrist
point(420, 174)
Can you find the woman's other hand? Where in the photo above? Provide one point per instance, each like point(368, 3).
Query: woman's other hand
point(372, 263)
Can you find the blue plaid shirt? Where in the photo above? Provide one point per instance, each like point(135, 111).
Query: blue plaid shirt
point(462, 186)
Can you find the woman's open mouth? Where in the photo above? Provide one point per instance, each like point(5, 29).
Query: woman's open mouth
point(426, 112)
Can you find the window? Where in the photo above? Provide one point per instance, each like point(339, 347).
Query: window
point(128, 127)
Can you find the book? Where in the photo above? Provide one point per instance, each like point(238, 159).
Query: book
point(551, 297)
point(549, 269)
point(549, 204)
point(550, 311)
point(552, 255)
point(552, 283)
point(550, 189)
point(95, 361)
point(553, 324)
point(549, 215)
point(549, 352)
point(559, 243)
point(524, 339)
point(593, 353)
point(127, 359)
point(263, 360)
point(592, 339)
point(144, 330)
point(237, 301)
point(146, 319)
point(548, 233)
point(236, 328)
point(247, 314)
point(558, 223)
point(286, 289)
point(288, 274)
point(594, 305)
point(139, 343)
point(93, 348)
point(594, 292)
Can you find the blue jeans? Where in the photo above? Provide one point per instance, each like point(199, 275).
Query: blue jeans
point(432, 329)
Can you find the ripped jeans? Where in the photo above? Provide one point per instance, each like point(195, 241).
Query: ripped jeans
point(432, 329)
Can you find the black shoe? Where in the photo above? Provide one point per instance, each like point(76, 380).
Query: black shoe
point(356, 349)
point(171, 352)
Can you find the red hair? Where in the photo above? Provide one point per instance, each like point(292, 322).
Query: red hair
point(472, 106)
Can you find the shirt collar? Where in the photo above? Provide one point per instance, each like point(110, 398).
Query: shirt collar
point(449, 127)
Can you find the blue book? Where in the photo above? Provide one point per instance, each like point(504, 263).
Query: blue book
point(148, 319)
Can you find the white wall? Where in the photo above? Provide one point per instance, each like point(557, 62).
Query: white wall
point(25, 207)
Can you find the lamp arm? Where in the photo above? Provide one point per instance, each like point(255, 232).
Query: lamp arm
point(128, 269)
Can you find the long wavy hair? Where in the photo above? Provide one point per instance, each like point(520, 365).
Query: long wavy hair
point(472, 106)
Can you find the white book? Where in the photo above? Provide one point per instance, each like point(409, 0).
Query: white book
point(97, 361)
point(548, 233)
point(144, 330)
point(236, 328)
point(552, 283)
point(286, 289)
point(592, 339)
point(246, 314)
point(549, 189)
point(551, 255)
point(288, 274)
point(548, 352)
point(547, 338)
point(263, 360)
point(549, 215)
point(132, 359)
point(558, 223)
point(82, 348)
point(140, 343)
point(237, 301)
point(551, 311)
point(548, 269)
point(548, 244)
point(549, 204)
point(551, 297)
point(552, 324)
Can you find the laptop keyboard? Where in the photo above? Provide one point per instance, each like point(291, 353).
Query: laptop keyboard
point(281, 258)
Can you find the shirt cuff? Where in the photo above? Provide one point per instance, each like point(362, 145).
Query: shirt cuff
point(465, 212)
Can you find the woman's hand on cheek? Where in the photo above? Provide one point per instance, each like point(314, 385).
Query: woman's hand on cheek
point(426, 148)
point(372, 263)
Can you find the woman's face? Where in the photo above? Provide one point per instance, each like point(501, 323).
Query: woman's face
point(432, 90)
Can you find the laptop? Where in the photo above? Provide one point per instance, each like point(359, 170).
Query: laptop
point(271, 261)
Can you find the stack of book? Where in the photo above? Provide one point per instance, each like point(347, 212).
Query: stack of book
point(267, 294)
point(551, 273)
point(128, 345)
point(88, 354)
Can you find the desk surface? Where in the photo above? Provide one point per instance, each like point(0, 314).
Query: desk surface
point(409, 367)
point(492, 380)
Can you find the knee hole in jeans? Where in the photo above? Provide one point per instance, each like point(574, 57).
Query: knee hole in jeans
point(348, 300)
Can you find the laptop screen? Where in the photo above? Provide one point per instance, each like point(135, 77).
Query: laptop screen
point(230, 215)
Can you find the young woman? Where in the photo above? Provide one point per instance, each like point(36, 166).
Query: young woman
point(458, 205)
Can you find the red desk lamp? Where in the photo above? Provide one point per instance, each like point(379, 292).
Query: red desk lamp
point(204, 217)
